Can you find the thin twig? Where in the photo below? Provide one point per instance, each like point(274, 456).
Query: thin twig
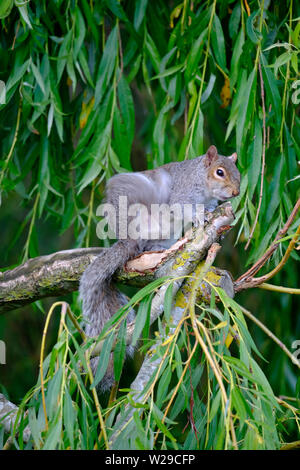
point(10, 153)
point(271, 335)
point(96, 401)
point(286, 256)
point(120, 52)
point(284, 290)
point(63, 306)
point(264, 258)
point(26, 247)
point(15, 37)
point(247, 7)
point(254, 282)
point(90, 214)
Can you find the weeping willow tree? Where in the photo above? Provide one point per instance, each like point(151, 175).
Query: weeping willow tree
point(89, 89)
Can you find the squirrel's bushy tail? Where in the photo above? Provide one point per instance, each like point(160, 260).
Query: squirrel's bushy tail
point(100, 299)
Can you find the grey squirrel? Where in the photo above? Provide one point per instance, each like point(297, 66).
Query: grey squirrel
point(204, 180)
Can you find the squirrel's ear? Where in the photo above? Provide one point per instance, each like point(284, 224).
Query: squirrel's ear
point(211, 154)
point(233, 157)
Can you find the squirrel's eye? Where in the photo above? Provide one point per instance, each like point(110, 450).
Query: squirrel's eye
point(220, 172)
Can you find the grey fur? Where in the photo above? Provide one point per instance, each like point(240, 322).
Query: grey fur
point(188, 182)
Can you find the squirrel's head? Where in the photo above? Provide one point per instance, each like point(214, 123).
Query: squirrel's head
point(223, 177)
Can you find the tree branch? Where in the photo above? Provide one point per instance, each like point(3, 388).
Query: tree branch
point(45, 276)
point(247, 280)
point(59, 273)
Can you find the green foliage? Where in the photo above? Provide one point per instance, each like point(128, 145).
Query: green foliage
point(98, 87)
point(78, 71)
point(72, 421)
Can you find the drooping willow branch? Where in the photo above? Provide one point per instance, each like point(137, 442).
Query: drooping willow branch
point(153, 360)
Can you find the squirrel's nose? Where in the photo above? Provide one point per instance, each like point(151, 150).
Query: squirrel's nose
point(235, 192)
